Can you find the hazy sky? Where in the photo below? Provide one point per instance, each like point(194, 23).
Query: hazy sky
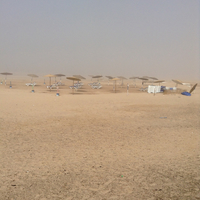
point(109, 37)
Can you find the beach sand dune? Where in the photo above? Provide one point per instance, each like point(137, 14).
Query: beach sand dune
point(98, 145)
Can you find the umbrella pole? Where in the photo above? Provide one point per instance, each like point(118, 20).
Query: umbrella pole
point(73, 87)
point(115, 86)
point(50, 83)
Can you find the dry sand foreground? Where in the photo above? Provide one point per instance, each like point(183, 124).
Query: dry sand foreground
point(100, 146)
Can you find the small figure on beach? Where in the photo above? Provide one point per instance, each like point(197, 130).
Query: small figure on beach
point(127, 88)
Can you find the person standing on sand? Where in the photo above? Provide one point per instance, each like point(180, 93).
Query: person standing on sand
point(127, 88)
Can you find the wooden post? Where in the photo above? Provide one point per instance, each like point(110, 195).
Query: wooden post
point(73, 87)
point(49, 81)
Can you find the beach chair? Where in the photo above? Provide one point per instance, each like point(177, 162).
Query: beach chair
point(31, 84)
point(53, 86)
point(60, 84)
point(96, 86)
point(144, 89)
point(73, 87)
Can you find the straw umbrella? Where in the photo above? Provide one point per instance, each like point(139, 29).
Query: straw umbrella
point(134, 79)
point(177, 82)
point(109, 78)
point(50, 76)
point(73, 79)
point(79, 76)
point(115, 79)
point(122, 78)
point(6, 74)
point(97, 77)
point(193, 88)
point(32, 76)
point(144, 79)
point(153, 78)
point(159, 81)
point(59, 75)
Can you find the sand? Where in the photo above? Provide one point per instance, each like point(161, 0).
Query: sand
point(96, 144)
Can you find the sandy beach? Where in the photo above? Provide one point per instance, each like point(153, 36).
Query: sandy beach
point(97, 144)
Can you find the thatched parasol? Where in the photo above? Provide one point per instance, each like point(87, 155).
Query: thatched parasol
point(159, 81)
point(50, 76)
point(122, 78)
point(73, 79)
point(133, 77)
point(59, 75)
point(153, 78)
point(177, 82)
point(32, 76)
point(115, 79)
point(109, 77)
point(193, 88)
point(143, 78)
point(98, 76)
point(79, 76)
point(6, 74)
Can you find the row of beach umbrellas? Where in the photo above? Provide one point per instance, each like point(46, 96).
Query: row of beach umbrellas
point(79, 77)
point(114, 79)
